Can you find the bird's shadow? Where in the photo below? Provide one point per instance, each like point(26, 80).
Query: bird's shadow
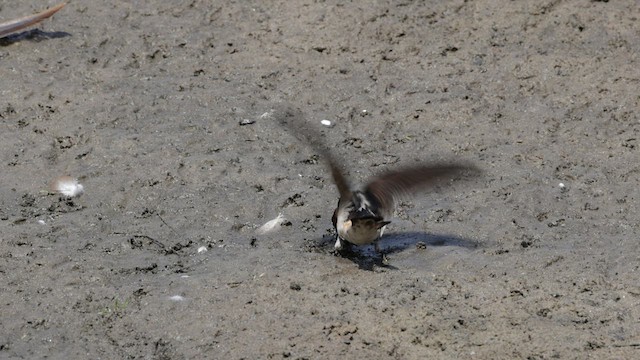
point(367, 259)
point(34, 35)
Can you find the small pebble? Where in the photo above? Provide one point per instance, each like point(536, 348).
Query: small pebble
point(176, 298)
point(421, 245)
point(202, 249)
point(246, 122)
point(326, 122)
point(41, 222)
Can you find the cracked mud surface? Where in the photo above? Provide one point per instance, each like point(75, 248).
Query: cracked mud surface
point(159, 110)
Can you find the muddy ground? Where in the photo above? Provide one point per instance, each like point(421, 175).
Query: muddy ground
point(142, 102)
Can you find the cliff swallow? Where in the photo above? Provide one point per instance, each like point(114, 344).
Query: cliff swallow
point(362, 215)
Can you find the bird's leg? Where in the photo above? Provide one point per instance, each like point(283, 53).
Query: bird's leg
point(385, 260)
point(383, 256)
point(341, 245)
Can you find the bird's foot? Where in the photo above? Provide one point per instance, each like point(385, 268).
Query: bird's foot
point(341, 246)
point(383, 257)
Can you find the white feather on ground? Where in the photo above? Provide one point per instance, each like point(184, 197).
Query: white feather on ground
point(67, 186)
point(271, 225)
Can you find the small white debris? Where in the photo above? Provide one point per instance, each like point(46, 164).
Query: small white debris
point(202, 249)
point(184, 276)
point(326, 122)
point(67, 186)
point(266, 115)
point(364, 112)
point(271, 225)
point(176, 298)
point(563, 187)
point(41, 222)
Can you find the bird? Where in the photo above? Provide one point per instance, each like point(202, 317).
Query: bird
point(362, 214)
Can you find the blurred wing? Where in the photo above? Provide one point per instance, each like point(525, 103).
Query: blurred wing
point(292, 119)
point(389, 188)
point(339, 179)
point(18, 24)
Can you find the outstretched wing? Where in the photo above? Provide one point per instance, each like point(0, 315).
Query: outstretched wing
point(390, 187)
point(292, 119)
point(19, 24)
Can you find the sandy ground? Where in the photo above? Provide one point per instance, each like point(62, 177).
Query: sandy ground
point(142, 102)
